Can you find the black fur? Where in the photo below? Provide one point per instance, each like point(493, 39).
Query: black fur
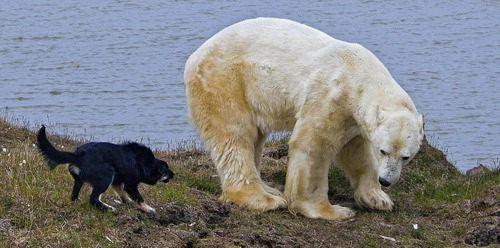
point(53, 156)
point(103, 164)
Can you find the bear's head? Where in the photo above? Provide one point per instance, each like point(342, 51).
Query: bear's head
point(395, 141)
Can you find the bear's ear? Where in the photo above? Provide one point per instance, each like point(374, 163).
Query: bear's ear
point(380, 114)
point(421, 123)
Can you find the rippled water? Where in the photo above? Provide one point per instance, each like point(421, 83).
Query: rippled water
point(113, 69)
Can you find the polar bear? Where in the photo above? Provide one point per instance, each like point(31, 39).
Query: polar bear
point(340, 102)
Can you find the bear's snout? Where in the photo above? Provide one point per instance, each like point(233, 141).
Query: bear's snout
point(384, 182)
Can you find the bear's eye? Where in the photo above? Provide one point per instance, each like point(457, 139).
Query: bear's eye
point(405, 158)
point(383, 152)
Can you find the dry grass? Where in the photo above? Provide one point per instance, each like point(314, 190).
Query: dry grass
point(35, 209)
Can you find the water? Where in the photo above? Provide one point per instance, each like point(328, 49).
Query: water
point(113, 69)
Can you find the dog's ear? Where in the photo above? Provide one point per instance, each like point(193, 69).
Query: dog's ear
point(144, 155)
point(162, 167)
point(151, 170)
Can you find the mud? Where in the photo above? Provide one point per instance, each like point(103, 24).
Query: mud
point(488, 231)
point(486, 234)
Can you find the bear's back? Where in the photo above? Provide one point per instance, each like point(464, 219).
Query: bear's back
point(266, 41)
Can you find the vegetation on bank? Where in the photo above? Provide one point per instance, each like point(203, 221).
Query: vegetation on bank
point(436, 206)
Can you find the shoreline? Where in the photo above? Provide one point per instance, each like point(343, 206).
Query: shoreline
point(193, 142)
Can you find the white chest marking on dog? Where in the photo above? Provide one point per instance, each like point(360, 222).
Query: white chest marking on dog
point(74, 169)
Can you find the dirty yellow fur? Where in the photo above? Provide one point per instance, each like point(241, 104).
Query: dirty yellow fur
point(340, 102)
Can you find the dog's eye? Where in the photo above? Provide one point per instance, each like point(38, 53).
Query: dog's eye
point(405, 158)
point(383, 152)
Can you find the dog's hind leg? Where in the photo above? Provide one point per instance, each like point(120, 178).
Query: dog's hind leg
point(100, 182)
point(95, 198)
point(77, 186)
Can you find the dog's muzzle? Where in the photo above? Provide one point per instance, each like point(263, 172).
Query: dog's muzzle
point(166, 178)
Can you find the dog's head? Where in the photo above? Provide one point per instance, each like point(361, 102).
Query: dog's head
point(163, 171)
point(157, 171)
point(154, 170)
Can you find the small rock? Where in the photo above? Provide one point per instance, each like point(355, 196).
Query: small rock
point(138, 230)
point(466, 206)
point(5, 226)
point(388, 238)
point(385, 225)
point(478, 170)
point(489, 203)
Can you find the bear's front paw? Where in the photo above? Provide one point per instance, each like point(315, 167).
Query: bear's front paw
point(373, 199)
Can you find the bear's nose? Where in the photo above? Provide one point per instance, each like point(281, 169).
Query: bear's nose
point(384, 182)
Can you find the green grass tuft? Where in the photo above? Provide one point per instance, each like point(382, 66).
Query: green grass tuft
point(203, 183)
point(176, 193)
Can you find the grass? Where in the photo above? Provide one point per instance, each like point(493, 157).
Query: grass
point(35, 209)
point(452, 191)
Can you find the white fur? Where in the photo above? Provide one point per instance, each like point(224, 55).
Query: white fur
point(266, 74)
point(146, 208)
point(74, 169)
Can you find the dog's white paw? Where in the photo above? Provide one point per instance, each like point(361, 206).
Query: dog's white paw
point(146, 208)
point(109, 207)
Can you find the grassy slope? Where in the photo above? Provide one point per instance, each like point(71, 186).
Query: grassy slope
point(35, 209)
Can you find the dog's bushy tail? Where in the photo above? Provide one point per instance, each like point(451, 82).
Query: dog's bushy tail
point(49, 152)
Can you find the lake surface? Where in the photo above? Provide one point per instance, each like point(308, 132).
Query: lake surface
point(113, 69)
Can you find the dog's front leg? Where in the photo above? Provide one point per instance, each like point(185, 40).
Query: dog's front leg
point(133, 192)
point(124, 198)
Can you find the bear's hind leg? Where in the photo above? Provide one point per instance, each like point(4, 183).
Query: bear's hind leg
point(356, 160)
point(259, 145)
point(219, 110)
point(241, 183)
point(306, 189)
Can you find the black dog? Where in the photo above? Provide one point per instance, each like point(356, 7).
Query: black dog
point(103, 164)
